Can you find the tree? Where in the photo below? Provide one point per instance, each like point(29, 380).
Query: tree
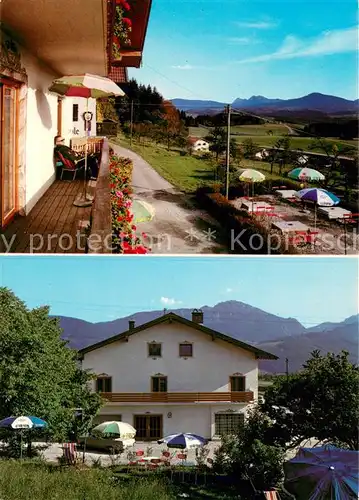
point(283, 146)
point(320, 402)
point(172, 122)
point(39, 374)
point(218, 141)
point(337, 172)
point(249, 148)
point(246, 454)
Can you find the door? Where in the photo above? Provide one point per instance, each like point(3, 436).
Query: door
point(8, 156)
point(148, 427)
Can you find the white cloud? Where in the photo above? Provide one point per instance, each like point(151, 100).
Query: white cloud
point(327, 43)
point(229, 290)
point(257, 25)
point(239, 40)
point(167, 301)
point(186, 67)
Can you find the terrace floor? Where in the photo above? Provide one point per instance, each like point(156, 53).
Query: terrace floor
point(53, 226)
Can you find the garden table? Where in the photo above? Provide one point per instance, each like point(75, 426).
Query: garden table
point(290, 226)
point(257, 206)
point(334, 212)
point(286, 193)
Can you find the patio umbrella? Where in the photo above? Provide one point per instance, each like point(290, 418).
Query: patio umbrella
point(323, 473)
point(142, 211)
point(120, 429)
point(87, 86)
point(21, 423)
point(320, 197)
point(251, 175)
point(306, 174)
point(184, 441)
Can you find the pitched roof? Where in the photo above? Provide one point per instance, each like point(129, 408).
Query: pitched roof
point(172, 317)
point(118, 75)
point(193, 140)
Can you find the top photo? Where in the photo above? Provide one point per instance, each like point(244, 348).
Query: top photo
point(178, 127)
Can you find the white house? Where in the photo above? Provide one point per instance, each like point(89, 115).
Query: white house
point(261, 155)
point(175, 375)
point(196, 144)
point(41, 41)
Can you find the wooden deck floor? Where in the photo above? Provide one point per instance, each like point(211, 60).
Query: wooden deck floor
point(53, 225)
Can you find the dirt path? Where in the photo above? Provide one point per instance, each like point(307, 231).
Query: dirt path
point(178, 226)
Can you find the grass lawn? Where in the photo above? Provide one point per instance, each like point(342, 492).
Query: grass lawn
point(37, 480)
point(258, 133)
point(187, 172)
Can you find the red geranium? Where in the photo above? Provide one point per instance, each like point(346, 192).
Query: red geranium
point(127, 21)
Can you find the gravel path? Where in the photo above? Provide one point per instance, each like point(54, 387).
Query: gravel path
point(178, 226)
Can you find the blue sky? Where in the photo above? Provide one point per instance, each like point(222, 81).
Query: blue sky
point(224, 49)
point(313, 290)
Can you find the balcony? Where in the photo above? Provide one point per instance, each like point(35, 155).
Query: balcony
point(179, 397)
point(55, 225)
point(69, 37)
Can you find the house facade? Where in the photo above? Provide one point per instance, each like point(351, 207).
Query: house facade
point(196, 144)
point(175, 375)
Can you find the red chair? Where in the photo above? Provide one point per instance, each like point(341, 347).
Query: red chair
point(70, 166)
point(70, 453)
point(271, 495)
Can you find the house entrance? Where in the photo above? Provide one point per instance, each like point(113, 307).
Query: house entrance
point(148, 427)
point(8, 150)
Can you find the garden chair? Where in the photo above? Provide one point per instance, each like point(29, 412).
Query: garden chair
point(271, 495)
point(69, 166)
point(70, 453)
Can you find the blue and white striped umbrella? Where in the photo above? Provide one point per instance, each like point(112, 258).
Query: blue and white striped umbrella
point(321, 197)
point(23, 423)
point(184, 441)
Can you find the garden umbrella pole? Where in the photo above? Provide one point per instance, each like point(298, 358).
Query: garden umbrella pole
point(86, 86)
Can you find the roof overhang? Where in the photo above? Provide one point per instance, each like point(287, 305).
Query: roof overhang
point(69, 36)
point(131, 56)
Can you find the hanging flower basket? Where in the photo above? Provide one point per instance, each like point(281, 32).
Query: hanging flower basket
point(122, 29)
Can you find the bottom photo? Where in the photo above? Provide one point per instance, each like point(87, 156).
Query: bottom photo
point(146, 377)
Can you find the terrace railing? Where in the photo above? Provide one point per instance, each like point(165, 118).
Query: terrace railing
point(100, 238)
point(179, 397)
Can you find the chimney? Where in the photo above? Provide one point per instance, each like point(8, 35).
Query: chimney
point(197, 316)
point(131, 324)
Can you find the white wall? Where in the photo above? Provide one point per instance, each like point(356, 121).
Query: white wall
point(77, 129)
point(41, 128)
point(197, 419)
point(209, 369)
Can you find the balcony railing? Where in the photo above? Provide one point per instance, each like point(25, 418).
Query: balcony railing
point(178, 397)
point(99, 240)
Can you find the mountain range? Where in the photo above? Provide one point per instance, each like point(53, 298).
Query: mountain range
point(315, 101)
point(285, 337)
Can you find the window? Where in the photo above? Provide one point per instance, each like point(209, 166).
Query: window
point(186, 350)
point(104, 384)
point(227, 423)
point(154, 350)
point(75, 112)
point(159, 384)
point(238, 383)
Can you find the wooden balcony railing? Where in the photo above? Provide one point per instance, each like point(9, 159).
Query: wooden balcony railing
point(100, 239)
point(94, 144)
point(178, 397)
